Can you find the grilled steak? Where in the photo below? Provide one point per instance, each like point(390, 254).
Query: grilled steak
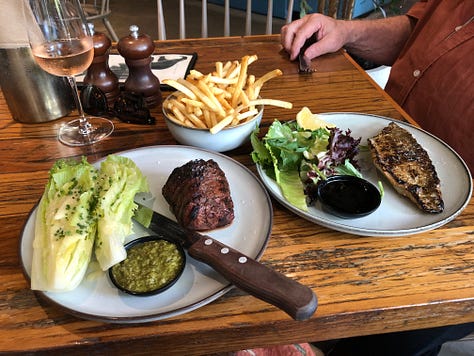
point(199, 195)
point(407, 166)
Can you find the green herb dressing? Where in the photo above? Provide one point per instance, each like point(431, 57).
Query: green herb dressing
point(148, 266)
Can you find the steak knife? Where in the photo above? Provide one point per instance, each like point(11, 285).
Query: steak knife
point(297, 300)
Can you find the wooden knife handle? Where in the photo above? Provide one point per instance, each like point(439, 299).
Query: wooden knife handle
point(262, 282)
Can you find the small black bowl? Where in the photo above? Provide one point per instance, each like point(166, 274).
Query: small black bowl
point(151, 256)
point(348, 197)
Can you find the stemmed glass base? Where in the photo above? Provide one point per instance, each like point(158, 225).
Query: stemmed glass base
point(85, 131)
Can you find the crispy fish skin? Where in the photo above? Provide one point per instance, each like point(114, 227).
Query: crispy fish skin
point(408, 167)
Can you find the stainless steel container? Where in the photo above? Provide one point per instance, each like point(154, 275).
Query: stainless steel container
point(32, 95)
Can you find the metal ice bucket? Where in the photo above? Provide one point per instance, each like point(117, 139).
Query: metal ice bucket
point(32, 95)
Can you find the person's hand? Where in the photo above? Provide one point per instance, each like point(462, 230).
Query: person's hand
point(330, 33)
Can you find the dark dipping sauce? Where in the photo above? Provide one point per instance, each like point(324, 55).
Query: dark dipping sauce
point(348, 196)
point(152, 265)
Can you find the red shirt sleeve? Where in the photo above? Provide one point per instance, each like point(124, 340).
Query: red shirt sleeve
point(433, 77)
point(417, 10)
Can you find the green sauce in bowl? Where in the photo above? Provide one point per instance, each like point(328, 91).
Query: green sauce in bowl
point(153, 264)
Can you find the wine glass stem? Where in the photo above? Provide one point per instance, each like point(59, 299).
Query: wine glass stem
point(85, 127)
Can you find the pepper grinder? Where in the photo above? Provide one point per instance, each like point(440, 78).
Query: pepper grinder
point(99, 72)
point(137, 50)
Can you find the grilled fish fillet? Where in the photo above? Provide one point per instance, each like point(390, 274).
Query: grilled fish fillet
point(408, 167)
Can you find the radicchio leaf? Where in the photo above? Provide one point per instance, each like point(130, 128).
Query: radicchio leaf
point(341, 146)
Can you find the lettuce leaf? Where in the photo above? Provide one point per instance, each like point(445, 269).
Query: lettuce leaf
point(119, 180)
point(65, 227)
point(281, 152)
point(298, 159)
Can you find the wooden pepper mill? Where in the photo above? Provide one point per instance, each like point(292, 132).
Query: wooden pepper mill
point(99, 72)
point(137, 50)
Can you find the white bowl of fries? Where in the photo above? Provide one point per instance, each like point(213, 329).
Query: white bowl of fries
point(218, 111)
point(226, 139)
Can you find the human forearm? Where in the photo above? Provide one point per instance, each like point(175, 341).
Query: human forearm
point(379, 41)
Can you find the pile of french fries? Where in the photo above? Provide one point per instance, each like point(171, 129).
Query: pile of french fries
point(226, 97)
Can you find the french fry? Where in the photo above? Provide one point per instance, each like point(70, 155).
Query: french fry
point(225, 104)
point(220, 80)
point(197, 121)
point(247, 114)
point(178, 86)
point(213, 117)
point(192, 103)
point(221, 124)
point(194, 74)
point(219, 67)
point(199, 94)
point(225, 68)
point(209, 94)
point(263, 79)
point(207, 118)
point(178, 114)
point(233, 70)
point(271, 102)
point(225, 97)
point(242, 79)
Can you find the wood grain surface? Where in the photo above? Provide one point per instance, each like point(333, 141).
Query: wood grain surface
point(365, 285)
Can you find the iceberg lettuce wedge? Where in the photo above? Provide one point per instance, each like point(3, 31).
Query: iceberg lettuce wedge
point(65, 227)
point(119, 180)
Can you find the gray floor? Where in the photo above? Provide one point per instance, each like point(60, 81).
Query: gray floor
point(143, 13)
point(458, 348)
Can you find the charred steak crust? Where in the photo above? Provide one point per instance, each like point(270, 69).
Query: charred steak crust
point(407, 166)
point(199, 195)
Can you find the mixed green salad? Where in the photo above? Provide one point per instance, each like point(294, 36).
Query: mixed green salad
point(299, 154)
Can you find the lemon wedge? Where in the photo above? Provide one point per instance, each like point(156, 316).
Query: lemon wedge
point(309, 121)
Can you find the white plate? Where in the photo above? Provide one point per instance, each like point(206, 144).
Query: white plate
point(396, 216)
point(97, 299)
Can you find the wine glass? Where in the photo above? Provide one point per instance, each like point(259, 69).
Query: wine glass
point(61, 43)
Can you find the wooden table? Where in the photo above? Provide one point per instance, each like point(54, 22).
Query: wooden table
point(365, 285)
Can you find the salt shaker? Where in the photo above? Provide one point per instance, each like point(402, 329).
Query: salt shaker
point(137, 50)
point(99, 72)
